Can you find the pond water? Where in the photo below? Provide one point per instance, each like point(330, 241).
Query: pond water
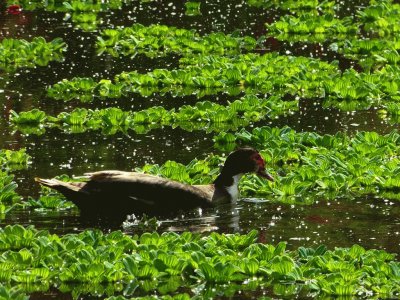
point(56, 152)
point(371, 222)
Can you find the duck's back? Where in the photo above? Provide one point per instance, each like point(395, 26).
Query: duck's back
point(115, 192)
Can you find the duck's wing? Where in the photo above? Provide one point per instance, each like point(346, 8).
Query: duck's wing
point(112, 192)
point(143, 192)
point(115, 175)
point(207, 189)
point(141, 185)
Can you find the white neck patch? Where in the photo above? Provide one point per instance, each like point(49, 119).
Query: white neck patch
point(233, 189)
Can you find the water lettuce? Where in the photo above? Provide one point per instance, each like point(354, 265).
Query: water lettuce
point(205, 114)
point(251, 73)
point(19, 53)
point(192, 8)
point(159, 40)
point(10, 161)
point(152, 262)
point(268, 73)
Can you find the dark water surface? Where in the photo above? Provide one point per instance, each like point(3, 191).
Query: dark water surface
point(369, 222)
point(57, 152)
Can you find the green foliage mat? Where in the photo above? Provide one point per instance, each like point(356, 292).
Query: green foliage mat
point(83, 14)
point(158, 40)
point(10, 161)
point(298, 7)
point(369, 36)
point(19, 53)
point(14, 160)
point(380, 18)
point(270, 73)
point(204, 115)
point(165, 263)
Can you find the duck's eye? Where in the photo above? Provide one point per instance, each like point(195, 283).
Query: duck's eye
point(257, 158)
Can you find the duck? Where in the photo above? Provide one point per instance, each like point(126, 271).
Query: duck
point(117, 194)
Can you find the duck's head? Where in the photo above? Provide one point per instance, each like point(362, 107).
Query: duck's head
point(246, 160)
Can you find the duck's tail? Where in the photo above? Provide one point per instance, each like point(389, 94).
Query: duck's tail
point(48, 182)
point(73, 191)
point(59, 185)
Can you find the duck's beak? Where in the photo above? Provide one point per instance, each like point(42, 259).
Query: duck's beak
point(263, 173)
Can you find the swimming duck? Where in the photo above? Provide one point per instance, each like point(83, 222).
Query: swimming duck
point(116, 194)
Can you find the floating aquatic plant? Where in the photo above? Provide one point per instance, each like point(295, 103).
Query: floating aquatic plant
point(14, 293)
point(192, 8)
point(11, 160)
point(371, 54)
point(314, 24)
point(49, 202)
point(151, 262)
point(314, 21)
point(83, 14)
point(19, 53)
point(8, 196)
point(380, 17)
point(251, 73)
point(297, 7)
point(326, 165)
point(203, 115)
point(159, 40)
point(32, 117)
point(259, 73)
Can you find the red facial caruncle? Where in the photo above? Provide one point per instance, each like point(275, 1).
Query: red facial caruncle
point(261, 166)
point(14, 9)
point(259, 160)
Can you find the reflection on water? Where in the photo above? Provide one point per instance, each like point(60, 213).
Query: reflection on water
point(369, 222)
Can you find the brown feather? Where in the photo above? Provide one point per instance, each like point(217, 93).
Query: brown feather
point(115, 194)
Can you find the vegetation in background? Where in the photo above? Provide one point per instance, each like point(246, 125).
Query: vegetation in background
point(204, 115)
point(371, 54)
point(8, 195)
point(313, 24)
point(10, 161)
point(83, 14)
point(13, 160)
point(380, 18)
point(19, 53)
point(192, 8)
point(270, 73)
point(297, 7)
point(159, 40)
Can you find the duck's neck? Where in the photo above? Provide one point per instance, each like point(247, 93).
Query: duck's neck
point(228, 185)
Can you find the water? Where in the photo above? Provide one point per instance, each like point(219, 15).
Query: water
point(57, 152)
point(369, 222)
